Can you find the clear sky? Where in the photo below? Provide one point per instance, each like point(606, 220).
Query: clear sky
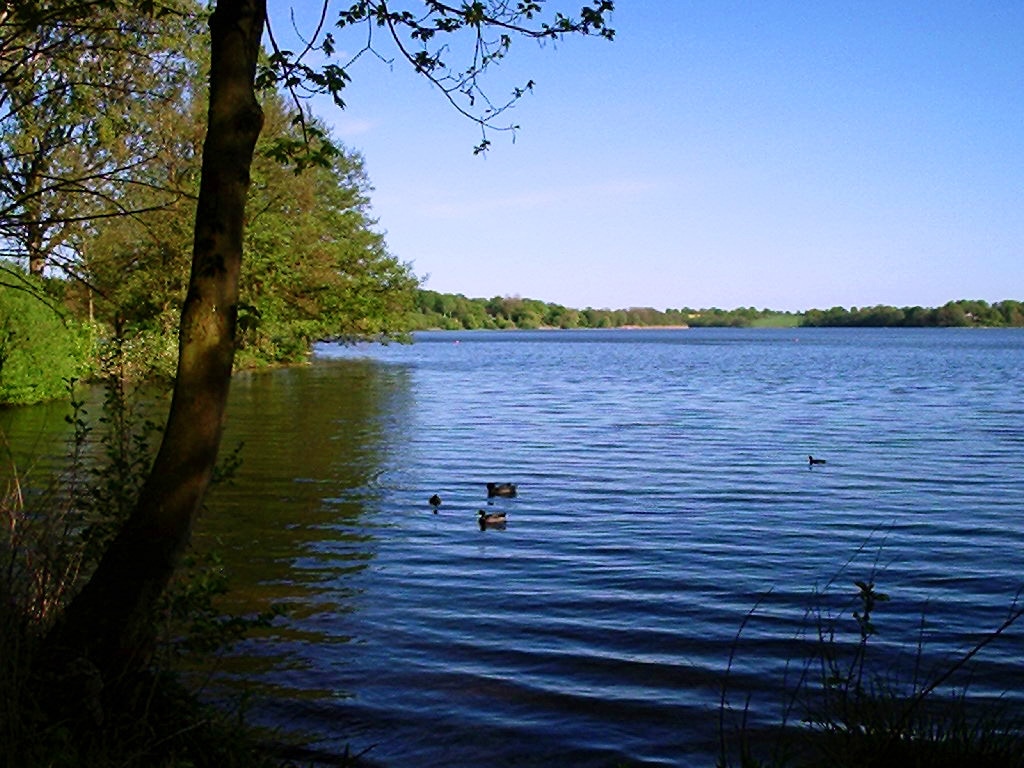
point(772, 153)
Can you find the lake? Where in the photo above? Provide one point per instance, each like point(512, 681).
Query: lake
point(665, 503)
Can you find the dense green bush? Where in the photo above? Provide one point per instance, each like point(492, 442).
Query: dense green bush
point(39, 347)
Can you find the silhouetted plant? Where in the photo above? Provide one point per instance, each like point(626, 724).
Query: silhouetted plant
point(52, 530)
point(859, 710)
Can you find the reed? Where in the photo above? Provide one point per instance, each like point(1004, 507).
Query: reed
point(848, 706)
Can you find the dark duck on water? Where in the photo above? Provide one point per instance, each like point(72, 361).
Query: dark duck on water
point(501, 489)
point(489, 519)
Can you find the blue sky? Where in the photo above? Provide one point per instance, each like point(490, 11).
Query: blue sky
point(772, 154)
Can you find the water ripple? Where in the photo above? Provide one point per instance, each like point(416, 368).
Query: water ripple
point(668, 528)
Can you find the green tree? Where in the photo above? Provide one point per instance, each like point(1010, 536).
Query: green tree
point(109, 620)
point(1012, 312)
point(916, 317)
point(597, 318)
point(472, 313)
point(316, 267)
point(77, 84)
point(881, 316)
point(950, 314)
point(558, 316)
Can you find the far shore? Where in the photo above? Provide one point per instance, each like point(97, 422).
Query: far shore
point(646, 328)
point(556, 328)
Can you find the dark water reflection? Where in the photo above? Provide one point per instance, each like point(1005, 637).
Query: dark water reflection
point(294, 525)
point(33, 440)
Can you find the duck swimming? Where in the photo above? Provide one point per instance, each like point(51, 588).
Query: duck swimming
point(501, 489)
point(435, 502)
point(811, 461)
point(491, 518)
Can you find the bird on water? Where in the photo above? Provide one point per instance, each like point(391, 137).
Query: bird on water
point(811, 461)
point(501, 489)
point(435, 502)
point(490, 518)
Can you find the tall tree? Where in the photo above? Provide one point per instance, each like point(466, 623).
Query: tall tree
point(315, 266)
point(109, 620)
point(77, 84)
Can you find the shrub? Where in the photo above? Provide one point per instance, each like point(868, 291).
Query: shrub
point(39, 347)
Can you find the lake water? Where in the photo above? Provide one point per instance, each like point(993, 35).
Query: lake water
point(665, 501)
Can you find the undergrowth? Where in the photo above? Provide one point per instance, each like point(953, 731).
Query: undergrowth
point(52, 534)
point(850, 704)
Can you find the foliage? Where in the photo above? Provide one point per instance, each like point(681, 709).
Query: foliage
point(317, 268)
point(100, 166)
point(960, 313)
point(39, 347)
point(429, 35)
point(451, 312)
point(80, 84)
point(447, 311)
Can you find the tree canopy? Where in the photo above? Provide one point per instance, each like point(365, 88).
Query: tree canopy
point(456, 312)
point(959, 313)
point(83, 88)
point(117, 231)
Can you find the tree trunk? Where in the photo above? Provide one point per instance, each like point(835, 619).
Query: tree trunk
point(110, 621)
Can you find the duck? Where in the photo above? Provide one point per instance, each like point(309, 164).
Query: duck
point(501, 489)
point(435, 502)
point(811, 461)
point(490, 518)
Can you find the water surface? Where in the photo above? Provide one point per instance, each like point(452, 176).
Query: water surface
point(665, 501)
point(664, 493)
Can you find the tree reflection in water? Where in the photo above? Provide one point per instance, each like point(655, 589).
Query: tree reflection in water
point(296, 524)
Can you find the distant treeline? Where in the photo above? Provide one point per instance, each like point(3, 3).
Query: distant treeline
point(448, 311)
point(961, 313)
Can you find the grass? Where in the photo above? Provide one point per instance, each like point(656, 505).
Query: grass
point(849, 707)
point(780, 320)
